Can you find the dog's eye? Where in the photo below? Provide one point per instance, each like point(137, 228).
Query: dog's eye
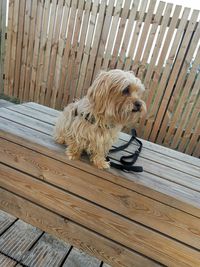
point(126, 91)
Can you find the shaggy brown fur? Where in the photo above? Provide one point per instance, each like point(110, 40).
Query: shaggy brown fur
point(92, 124)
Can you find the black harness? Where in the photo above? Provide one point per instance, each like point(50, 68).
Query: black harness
point(126, 161)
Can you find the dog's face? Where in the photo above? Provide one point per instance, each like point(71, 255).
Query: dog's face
point(116, 95)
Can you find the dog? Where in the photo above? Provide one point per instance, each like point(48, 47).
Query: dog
point(92, 124)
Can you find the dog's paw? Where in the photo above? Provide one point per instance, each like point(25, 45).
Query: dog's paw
point(59, 140)
point(72, 156)
point(101, 164)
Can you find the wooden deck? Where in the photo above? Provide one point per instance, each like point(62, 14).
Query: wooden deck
point(125, 219)
point(22, 244)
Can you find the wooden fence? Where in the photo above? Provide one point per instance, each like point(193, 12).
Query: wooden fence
point(3, 9)
point(56, 47)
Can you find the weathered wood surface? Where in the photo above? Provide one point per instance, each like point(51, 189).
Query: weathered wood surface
point(5, 103)
point(141, 214)
point(44, 251)
point(6, 262)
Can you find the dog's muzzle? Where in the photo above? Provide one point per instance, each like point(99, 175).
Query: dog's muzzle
point(137, 106)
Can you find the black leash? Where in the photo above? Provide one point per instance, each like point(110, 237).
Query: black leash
point(128, 161)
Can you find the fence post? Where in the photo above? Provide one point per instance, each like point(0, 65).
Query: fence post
point(3, 10)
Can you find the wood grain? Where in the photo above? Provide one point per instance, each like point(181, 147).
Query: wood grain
point(147, 184)
point(102, 221)
point(125, 202)
point(71, 232)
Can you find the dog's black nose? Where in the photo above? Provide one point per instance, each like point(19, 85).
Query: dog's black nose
point(138, 105)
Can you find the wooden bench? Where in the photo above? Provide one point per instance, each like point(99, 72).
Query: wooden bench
point(126, 219)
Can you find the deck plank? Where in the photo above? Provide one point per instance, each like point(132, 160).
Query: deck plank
point(6, 262)
point(48, 251)
point(18, 239)
point(77, 235)
point(79, 259)
point(6, 220)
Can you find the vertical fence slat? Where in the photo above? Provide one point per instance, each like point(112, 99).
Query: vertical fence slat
point(22, 4)
point(14, 47)
point(65, 59)
point(172, 103)
point(152, 85)
point(177, 118)
point(37, 41)
point(103, 38)
point(77, 63)
point(8, 48)
point(133, 42)
point(3, 11)
point(87, 48)
point(51, 94)
point(74, 50)
point(40, 68)
point(30, 50)
point(173, 76)
point(94, 48)
point(49, 66)
point(143, 37)
point(27, 20)
point(151, 65)
point(1, 42)
point(120, 32)
point(61, 46)
point(160, 39)
point(149, 42)
point(113, 31)
point(125, 44)
point(191, 107)
point(47, 57)
point(160, 85)
point(193, 142)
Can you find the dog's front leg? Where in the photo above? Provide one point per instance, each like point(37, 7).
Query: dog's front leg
point(73, 151)
point(99, 161)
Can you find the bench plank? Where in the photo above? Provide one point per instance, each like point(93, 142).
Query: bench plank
point(159, 170)
point(117, 228)
point(130, 204)
point(176, 163)
point(176, 155)
point(75, 234)
point(165, 172)
point(153, 216)
point(147, 184)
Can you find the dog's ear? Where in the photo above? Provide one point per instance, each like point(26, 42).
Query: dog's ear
point(98, 92)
